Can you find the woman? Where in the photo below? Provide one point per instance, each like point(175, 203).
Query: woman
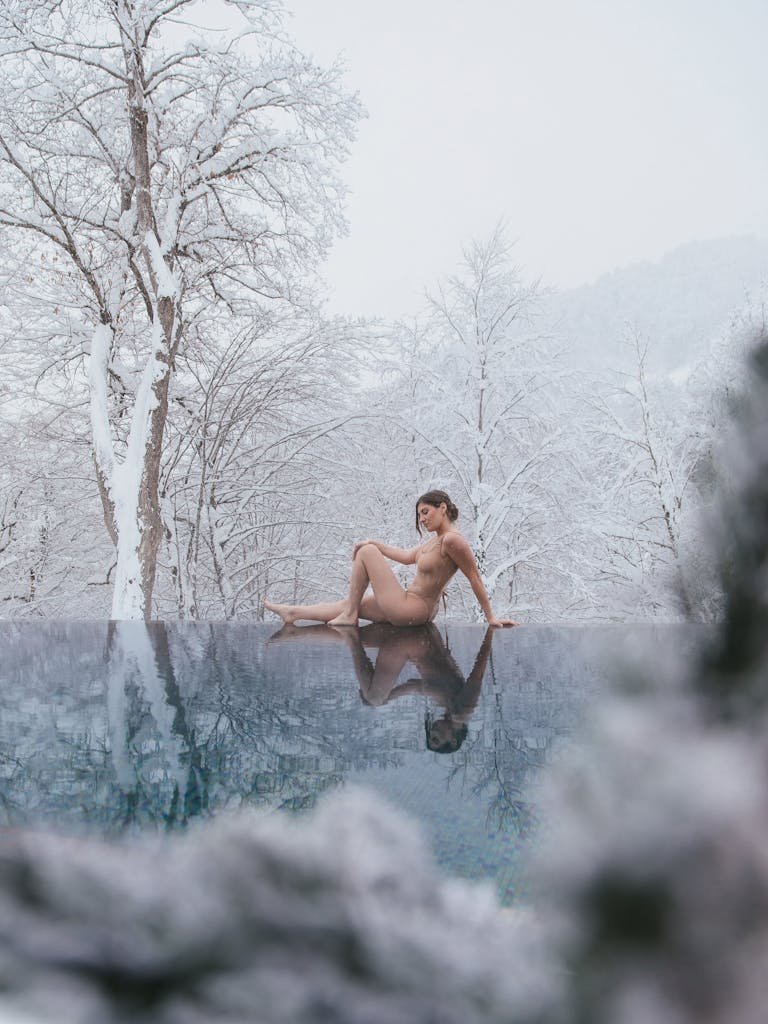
point(436, 562)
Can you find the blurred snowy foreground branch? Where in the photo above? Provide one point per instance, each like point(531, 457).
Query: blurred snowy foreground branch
point(341, 918)
point(653, 876)
point(657, 867)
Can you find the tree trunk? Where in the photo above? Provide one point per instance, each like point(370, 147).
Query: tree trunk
point(138, 519)
point(129, 489)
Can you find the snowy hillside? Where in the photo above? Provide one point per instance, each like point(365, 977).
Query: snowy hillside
point(681, 304)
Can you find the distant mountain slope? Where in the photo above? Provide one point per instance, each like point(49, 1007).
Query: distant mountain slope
point(680, 303)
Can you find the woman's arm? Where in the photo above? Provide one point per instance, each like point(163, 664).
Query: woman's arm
point(461, 553)
point(406, 557)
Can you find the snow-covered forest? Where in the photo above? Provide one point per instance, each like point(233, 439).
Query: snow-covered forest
point(183, 428)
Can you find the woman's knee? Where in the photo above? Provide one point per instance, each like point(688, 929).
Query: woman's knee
point(367, 550)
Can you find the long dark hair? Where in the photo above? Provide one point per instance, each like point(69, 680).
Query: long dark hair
point(436, 499)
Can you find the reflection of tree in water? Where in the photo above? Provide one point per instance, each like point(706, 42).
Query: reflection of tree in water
point(232, 736)
point(148, 729)
point(54, 758)
point(134, 725)
point(528, 706)
point(11, 772)
point(498, 759)
point(502, 775)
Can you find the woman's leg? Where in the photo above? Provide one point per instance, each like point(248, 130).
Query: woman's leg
point(389, 603)
point(291, 613)
point(325, 611)
point(395, 605)
point(358, 584)
point(376, 682)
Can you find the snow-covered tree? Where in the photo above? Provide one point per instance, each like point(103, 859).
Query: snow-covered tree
point(251, 470)
point(476, 396)
point(640, 463)
point(50, 567)
point(177, 186)
point(52, 562)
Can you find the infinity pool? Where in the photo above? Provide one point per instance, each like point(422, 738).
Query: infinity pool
point(114, 727)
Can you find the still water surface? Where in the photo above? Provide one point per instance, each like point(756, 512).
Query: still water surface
point(108, 728)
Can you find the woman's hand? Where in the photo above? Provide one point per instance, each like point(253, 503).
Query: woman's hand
point(493, 621)
point(360, 544)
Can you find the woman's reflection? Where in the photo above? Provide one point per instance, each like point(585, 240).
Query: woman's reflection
point(440, 678)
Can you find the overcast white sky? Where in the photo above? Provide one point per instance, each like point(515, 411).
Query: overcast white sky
point(602, 131)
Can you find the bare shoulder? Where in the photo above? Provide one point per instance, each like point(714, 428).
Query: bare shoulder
point(457, 546)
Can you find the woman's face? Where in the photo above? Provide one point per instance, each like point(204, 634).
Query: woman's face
point(443, 735)
point(430, 517)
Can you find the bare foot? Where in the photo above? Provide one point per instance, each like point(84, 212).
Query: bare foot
point(343, 620)
point(285, 611)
